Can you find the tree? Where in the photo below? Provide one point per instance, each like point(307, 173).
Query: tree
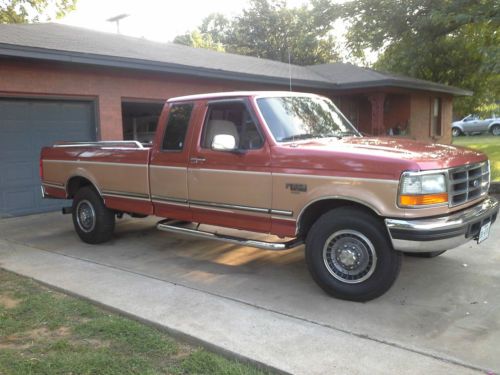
point(199, 40)
point(269, 29)
point(22, 11)
point(455, 42)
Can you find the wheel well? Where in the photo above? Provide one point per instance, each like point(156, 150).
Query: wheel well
point(318, 208)
point(75, 183)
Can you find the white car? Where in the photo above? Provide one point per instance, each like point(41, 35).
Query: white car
point(473, 124)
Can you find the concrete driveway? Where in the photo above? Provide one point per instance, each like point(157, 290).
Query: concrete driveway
point(445, 309)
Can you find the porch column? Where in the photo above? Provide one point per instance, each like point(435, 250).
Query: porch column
point(377, 102)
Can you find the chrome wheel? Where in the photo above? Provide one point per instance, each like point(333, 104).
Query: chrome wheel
point(495, 130)
point(85, 216)
point(349, 256)
point(455, 132)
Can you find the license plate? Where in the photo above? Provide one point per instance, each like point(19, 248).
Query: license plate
point(484, 232)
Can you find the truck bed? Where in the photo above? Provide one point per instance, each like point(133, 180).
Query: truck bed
point(119, 170)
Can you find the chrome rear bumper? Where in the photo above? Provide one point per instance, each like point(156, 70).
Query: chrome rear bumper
point(444, 232)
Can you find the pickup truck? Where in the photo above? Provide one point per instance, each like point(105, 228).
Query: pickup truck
point(289, 165)
point(472, 124)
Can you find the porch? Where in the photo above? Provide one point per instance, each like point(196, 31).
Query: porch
point(422, 116)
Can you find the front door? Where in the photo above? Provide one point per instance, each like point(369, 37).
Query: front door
point(230, 188)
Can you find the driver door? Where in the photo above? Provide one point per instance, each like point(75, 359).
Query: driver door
point(230, 188)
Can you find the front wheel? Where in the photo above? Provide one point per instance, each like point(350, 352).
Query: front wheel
point(455, 132)
point(93, 221)
point(350, 256)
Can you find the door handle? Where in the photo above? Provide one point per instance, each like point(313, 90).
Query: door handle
point(196, 160)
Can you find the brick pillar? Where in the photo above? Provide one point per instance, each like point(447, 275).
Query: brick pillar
point(377, 102)
point(110, 118)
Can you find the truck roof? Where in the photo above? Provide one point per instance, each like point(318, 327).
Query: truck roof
point(231, 94)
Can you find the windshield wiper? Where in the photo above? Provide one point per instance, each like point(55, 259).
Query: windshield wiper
point(338, 134)
point(331, 135)
point(297, 137)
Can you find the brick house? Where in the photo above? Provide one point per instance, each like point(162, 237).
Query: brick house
point(64, 83)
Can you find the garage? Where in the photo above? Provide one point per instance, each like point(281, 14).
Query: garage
point(25, 127)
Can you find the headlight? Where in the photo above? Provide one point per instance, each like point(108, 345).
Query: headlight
point(422, 189)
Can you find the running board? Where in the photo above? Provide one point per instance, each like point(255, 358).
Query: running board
point(175, 226)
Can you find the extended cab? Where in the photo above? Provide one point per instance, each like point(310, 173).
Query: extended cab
point(290, 165)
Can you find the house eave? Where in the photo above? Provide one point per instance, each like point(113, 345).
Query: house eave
point(9, 50)
point(450, 90)
point(27, 52)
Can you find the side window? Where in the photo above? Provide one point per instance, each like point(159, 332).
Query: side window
point(177, 124)
point(233, 119)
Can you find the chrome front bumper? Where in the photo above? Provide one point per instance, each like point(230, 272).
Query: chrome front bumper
point(444, 232)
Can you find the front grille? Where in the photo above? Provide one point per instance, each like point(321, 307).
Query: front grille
point(468, 182)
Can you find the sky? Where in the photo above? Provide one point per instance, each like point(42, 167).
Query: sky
point(152, 19)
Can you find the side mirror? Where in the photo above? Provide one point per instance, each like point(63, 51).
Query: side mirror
point(224, 142)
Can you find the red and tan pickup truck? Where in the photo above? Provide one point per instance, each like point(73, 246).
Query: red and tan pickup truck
point(289, 165)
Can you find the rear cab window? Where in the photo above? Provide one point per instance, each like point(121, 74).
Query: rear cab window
point(179, 116)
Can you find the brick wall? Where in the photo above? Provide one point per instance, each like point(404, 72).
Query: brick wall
point(446, 118)
point(420, 118)
point(107, 86)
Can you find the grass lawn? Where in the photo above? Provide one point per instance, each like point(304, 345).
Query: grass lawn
point(47, 332)
point(490, 145)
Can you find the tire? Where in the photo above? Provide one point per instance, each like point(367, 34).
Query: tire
point(93, 221)
point(372, 262)
point(430, 254)
point(495, 130)
point(456, 132)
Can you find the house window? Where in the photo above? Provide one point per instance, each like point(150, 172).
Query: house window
point(436, 123)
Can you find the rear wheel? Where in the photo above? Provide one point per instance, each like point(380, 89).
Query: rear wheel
point(93, 221)
point(456, 132)
point(350, 256)
point(495, 130)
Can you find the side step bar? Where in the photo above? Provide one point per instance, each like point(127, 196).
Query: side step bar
point(176, 226)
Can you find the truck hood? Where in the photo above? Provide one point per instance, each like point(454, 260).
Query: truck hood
point(426, 155)
point(379, 153)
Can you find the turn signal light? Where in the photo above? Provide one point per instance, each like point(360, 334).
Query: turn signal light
point(424, 199)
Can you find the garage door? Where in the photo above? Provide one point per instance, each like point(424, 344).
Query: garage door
point(25, 127)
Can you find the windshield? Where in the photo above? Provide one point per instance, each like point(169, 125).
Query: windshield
point(292, 118)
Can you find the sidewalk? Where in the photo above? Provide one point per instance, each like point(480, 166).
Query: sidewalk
point(265, 337)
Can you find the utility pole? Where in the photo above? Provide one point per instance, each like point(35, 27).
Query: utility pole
point(117, 20)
